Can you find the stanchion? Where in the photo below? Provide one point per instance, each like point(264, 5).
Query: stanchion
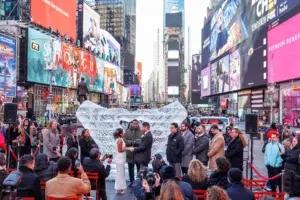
point(282, 179)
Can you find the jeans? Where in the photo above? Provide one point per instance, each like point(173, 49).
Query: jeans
point(273, 171)
point(131, 171)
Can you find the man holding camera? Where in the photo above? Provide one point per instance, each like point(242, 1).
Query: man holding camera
point(94, 164)
point(143, 151)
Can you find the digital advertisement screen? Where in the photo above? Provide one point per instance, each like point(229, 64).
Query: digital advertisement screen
point(283, 51)
point(68, 63)
point(110, 78)
point(205, 82)
point(56, 14)
point(196, 73)
point(235, 71)
point(220, 76)
point(109, 49)
point(91, 29)
point(8, 66)
point(173, 6)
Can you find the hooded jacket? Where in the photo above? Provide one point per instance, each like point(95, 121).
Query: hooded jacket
point(272, 157)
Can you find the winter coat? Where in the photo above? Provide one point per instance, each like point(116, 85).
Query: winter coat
point(132, 137)
point(143, 151)
point(82, 88)
point(72, 142)
point(50, 141)
point(292, 171)
point(29, 185)
point(200, 149)
point(234, 153)
point(237, 191)
point(48, 172)
point(272, 157)
point(187, 153)
point(196, 185)
point(90, 165)
point(86, 145)
point(219, 179)
point(216, 150)
point(175, 147)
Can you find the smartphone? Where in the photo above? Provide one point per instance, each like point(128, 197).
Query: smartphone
point(110, 156)
point(77, 164)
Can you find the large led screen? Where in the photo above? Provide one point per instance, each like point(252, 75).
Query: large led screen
point(173, 6)
point(235, 71)
point(235, 21)
point(284, 51)
point(91, 29)
point(57, 14)
point(220, 76)
point(110, 77)
point(67, 62)
point(8, 66)
point(196, 73)
point(205, 82)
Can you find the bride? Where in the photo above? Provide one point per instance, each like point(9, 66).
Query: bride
point(120, 158)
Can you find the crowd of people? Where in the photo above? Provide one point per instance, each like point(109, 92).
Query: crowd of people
point(196, 160)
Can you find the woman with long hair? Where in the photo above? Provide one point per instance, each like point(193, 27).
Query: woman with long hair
point(234, 152)
point(86, 144)
point(51, 141)
point(120, 158)
point(170, 191)
point(197, 175)
point(72, 153)
point(219, 177)
point(217, 193)
point(25, 138)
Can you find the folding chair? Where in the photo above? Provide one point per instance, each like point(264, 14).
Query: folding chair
point(93, 177)
point(200, 194)
point(276, 195)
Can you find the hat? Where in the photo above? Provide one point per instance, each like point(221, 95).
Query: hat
point(235, 175)
point(158, 156)
point(167, 172)
point(2, 159)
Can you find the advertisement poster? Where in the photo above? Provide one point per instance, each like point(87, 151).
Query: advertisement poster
point(110, 78)
point(283, 51)
point(91, 29)
point(56, 14)
point(205, 82)
point(139, 72)
point(196, 73)
point(227, 28)
point(44, 53)
point(109, 48)
point(8, 66)
point(235, 71)
point(174, 6)
point(220, 76)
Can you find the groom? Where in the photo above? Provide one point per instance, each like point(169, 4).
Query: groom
point(143, 151)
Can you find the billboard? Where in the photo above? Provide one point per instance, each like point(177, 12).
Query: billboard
point(110, 77)
point(69, 63)
point(135, 90)
point(205, 82)
point(174, 6)
point(91, 29)
point(235, 21)
point(56, 14)
point(139, 72)
point(283, 51)
point(235, 71)
point(8, 66)
point(220, 76)
point(196, 72)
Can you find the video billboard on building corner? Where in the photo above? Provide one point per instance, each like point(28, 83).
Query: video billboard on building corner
point(56, 14)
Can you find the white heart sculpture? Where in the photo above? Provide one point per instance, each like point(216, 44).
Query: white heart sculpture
point(102, 122)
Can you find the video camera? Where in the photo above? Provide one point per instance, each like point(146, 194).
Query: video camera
point(10, 184)
point(149, 176)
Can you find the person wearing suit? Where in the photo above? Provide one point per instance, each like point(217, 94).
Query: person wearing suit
point(143, 150)
point(216, 148)
point(187, 153)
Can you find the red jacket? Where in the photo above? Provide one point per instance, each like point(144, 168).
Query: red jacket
point(2, 142)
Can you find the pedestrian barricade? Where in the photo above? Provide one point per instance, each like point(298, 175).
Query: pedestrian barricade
point(260, 184)
point(275, 195)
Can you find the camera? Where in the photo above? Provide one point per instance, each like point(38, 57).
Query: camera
point(77, 164)
point(149, 176)
point(109, 156)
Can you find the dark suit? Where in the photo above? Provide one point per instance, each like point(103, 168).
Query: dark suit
point(143, 151)
point(90, 165)
point(82, 90)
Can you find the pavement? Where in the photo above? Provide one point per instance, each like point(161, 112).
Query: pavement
point(258, 163)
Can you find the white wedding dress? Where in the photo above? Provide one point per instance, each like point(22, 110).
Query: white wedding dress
point(120, 160)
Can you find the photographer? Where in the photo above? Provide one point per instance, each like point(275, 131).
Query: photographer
point(147, 185)
point(94, 164)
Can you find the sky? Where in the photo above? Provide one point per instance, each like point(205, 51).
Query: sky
point(150, 18)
